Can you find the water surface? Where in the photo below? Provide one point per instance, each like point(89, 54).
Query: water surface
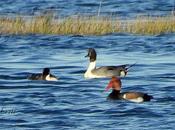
point(122, 8)
point(76, 103)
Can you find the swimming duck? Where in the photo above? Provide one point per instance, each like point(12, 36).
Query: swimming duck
point(116, 84)
point(104, 71)
point(45, 75)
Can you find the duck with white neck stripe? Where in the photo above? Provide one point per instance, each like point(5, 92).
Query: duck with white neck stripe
point(104, 71)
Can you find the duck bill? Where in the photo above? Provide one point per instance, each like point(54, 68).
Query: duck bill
point(109, 86)
point(86, 55)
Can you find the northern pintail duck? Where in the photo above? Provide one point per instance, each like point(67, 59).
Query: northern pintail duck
point(45, 75)
point(116, 84)
point(104, 71)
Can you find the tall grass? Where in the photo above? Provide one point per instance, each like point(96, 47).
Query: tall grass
point(84, 25)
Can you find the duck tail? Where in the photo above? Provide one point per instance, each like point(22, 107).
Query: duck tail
point(147, 97)
point(130, 66)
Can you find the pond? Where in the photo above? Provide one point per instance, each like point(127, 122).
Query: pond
point(73, 102)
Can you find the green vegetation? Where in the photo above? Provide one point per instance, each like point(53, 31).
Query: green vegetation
point(92, 25)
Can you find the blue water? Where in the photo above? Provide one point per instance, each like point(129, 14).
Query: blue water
point(76, 103)
point(126, 8)
point(73, 103)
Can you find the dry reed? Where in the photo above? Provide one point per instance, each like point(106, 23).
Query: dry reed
point(94, 25)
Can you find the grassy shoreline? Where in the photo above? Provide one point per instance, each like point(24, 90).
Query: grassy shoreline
point(86, 25)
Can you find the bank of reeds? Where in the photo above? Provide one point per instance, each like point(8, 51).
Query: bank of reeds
point(92, 25)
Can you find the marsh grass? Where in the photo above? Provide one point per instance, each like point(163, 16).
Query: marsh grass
point(88, 25)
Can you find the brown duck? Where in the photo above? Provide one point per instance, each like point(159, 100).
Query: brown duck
point(116, 84)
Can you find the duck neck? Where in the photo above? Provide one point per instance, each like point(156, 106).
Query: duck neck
point(115, 94)
point(45, 76)
point(92, 65)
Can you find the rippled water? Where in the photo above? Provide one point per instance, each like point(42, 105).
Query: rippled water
point(129, 8)
point(76, 103)
point(73, 102)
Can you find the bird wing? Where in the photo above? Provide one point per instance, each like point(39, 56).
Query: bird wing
point(109, 71)
point(35, 77)
point(132, 95)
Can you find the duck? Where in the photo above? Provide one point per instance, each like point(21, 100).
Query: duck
point(116, 84)
point(104, 71)
point(45, 75)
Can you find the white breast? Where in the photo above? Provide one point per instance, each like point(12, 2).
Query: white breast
point(88, 74)
point(49, 78)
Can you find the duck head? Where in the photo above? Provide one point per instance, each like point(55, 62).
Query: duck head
point(115, 84)
point(91, 54)
point(46, 71)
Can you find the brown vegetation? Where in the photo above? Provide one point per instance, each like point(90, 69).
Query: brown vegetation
point(86, 25)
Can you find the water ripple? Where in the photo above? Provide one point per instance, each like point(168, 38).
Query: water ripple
point(76, 103)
